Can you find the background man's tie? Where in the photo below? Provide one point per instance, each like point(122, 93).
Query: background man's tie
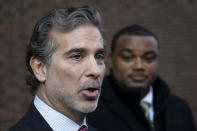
point(145, 107)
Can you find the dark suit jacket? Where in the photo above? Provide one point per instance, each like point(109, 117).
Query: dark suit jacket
point(33, 121)
point(121, 112)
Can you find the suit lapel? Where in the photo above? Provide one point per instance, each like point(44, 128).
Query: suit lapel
point(119, 108)
point(91, 128)
point(35, 120)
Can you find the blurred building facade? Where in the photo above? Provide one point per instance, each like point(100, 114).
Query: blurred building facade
point(174, 22)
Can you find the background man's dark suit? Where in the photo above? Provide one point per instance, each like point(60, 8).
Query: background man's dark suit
point(133, 63)
point(116, 114)
point(33, 121)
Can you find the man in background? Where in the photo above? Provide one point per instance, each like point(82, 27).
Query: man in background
point(134, 97)
point(65, 59)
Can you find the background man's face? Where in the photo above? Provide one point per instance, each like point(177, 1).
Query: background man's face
point(74, 77)
point(134, 61)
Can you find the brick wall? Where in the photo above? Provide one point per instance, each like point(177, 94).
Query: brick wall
point(175, 23)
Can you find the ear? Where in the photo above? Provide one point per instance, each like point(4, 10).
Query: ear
point(39, 69)
point(109, 60)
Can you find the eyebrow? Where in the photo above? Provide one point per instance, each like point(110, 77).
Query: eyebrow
point(102, 50)
point(150, 52)
point(131, 51)
point(75, 50)
point(126, 50)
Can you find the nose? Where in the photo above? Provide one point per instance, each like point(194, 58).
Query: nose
point(94, 69)
point(138, 65)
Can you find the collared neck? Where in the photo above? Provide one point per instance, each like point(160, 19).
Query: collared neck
point(56, 120)
point(148, 98)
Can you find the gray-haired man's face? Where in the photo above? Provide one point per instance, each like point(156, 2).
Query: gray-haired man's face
point(73, 80)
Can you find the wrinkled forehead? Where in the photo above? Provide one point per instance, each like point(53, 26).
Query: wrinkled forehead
point(81, 37)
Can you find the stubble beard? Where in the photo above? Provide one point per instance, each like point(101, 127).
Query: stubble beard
point(74, 103)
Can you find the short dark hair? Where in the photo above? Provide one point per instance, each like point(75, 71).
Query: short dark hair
point(42, 47)
point(132, 30)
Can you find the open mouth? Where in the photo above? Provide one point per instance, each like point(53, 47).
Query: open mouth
point(91, 92)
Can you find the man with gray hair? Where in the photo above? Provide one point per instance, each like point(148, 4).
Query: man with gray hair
point(65, 60)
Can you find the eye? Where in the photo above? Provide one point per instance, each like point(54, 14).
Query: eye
point(76, 56)
point(100, 56)
point(127, 57)
point(150, 57)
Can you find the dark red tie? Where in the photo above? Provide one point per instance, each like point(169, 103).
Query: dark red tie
point(83, 128)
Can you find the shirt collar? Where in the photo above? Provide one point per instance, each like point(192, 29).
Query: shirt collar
point(56, 120)
point(149, 96)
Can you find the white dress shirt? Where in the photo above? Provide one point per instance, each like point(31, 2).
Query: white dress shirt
point(56, 120)
point(149, 99)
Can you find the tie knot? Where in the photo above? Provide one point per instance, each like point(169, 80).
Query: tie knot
point(145, 107)
point(83, 128)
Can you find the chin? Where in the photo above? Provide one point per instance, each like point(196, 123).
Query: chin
point(89, 107)
point(88, 110)
point(137, 85)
